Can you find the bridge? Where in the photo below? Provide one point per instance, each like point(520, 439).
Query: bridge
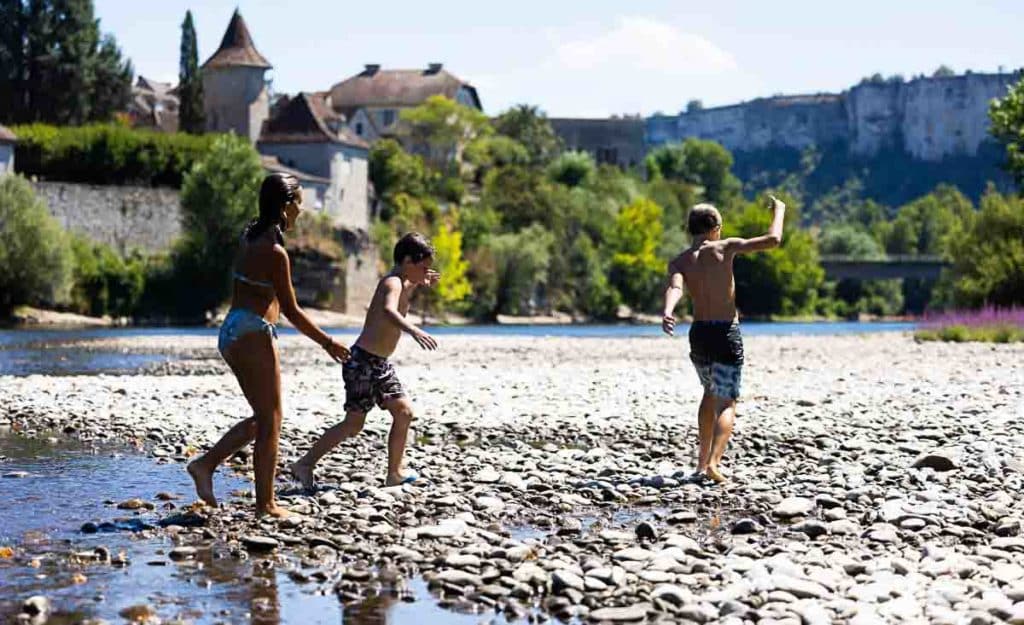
point(903, 266)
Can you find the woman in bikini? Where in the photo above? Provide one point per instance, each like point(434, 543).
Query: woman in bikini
point(262, 290)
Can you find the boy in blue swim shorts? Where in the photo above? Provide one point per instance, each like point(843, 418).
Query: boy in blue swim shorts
point(716, 345)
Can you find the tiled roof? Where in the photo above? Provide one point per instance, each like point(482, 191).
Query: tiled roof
point(395, 87)
point(307, 119)
point(237, 48)
point(6, 136)
point(273, 165)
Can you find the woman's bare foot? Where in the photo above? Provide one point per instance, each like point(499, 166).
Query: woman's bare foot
point(715, 476)
point(394, 479)
point(203, 479)
point(273, 510)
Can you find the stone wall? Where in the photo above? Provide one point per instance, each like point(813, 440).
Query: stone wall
point(345, 285)
point(127, 218)
point(616, 141)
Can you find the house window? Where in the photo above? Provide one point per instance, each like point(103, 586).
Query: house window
point(359, 128)
point(387, 117)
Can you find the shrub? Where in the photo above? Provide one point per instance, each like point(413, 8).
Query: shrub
point(103, 282)
point(35, 261)
point(108, 154)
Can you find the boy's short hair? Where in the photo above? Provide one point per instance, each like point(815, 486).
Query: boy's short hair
point(703, 219)
point(415, 246)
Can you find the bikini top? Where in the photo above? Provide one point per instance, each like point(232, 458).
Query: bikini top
point(242, 278)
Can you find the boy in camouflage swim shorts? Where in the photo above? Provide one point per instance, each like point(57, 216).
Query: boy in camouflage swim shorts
point(716, 346)
point(370, 378)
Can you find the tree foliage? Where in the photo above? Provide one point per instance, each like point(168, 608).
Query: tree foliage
point(218, 198)
point(191, 114)
point(1007, 117)
point(56, 66)
point(697, 162)
point(35, 262)
point(572, 168)
point(529, 127)
point(441, 128)
point(636, 269)
point(988, 259)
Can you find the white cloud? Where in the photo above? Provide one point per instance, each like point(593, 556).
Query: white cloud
point(641, 44)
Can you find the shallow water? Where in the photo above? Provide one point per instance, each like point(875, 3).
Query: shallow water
point(67, 485)
point(47, 352)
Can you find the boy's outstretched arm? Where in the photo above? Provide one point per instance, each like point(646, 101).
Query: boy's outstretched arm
point(392, 294)
point(773, 238)
point(673, 293)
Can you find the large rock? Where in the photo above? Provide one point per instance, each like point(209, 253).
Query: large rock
point(617, 615)
point(942, 460)
point(791, 507)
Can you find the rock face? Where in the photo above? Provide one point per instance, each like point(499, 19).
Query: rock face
point(930, 118)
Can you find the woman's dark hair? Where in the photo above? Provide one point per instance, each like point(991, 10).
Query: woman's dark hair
point(275, 192)
point(415, 246)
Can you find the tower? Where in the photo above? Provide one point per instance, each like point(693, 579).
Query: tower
point(235, 91)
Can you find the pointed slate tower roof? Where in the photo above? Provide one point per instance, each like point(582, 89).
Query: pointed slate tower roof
point(237, 48)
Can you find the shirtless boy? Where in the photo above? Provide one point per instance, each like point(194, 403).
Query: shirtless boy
point(716, 346)
point(369, 377)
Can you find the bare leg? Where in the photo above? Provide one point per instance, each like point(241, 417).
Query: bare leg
point(705, 428)
point(402, 416)
point(201, 469)
point(303, 468)
point(726, 414)
point(253, 358)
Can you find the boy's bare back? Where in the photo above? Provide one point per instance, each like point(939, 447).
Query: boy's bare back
point(707, 273)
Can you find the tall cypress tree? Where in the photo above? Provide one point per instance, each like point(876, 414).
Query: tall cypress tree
point(191, 117)
point(56, 67)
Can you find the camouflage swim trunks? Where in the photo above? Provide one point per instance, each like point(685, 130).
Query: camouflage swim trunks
point(716, 350)
point(369, 379)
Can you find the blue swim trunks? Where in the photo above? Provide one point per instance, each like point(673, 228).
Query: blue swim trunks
point(716, 350)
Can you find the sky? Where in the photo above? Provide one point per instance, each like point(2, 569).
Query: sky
point(591, 58)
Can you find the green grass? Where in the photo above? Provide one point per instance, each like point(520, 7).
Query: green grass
point(963, 334)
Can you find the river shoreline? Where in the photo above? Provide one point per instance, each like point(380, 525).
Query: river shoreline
point(874, 477)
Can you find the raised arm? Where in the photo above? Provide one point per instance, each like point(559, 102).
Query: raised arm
point(392, 287)
point(282, 279)
point(773, 238)
point(673, 293)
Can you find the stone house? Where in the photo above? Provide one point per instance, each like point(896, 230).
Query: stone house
point(153, 105)
point(306, 135)
point(372, 100)
point(7, 141)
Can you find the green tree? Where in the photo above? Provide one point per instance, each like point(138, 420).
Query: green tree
point(988, 259)
point(56, 66)
point(943, 71)
point(394, 171)
point(488, 152)
point(35, 262)
point(531, 128)
point(782, 281)
point(1007, 117)
point(441, 128)
point(697, 162)
point(925, 225)
point(591, 291)
point(636, 270)
point(104, 283)
point(520, 264)
point(191, 115)
point(218, 198)
point(572, 168)
point(522, 196)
